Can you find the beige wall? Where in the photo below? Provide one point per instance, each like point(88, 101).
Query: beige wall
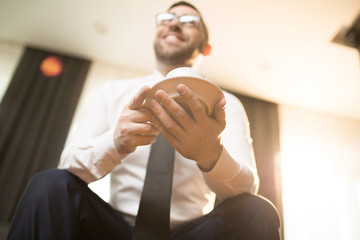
point(320, 175)
point(9, 57)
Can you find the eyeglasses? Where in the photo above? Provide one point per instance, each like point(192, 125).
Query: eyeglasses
point(185, 20)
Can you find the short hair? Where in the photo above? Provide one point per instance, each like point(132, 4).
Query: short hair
point(206, 32)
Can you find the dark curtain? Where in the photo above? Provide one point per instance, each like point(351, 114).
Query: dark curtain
point(264, 127)
point(35, 116)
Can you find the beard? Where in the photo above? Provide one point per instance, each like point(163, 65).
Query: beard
point(174, 57)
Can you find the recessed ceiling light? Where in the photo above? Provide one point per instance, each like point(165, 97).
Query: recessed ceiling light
point(101, 28)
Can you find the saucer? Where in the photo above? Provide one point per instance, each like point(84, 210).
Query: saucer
point(207, 92)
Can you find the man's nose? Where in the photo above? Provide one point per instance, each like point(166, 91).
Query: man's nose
point(175, 22)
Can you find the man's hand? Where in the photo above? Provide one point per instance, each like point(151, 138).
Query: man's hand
point(134, 126)
point(197, 137)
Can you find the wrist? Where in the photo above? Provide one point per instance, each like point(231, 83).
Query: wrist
point(208, 162)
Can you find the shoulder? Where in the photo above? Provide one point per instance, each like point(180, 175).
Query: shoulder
point(124, 83)
point(231, 99)
point(122, 86)
point(234, 107)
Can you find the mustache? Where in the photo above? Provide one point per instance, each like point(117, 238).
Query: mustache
point(176, 32)
point(175, 29)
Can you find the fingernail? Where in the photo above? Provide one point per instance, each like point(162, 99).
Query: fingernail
point(222, 104)
point(181, 88)
point(160, 94)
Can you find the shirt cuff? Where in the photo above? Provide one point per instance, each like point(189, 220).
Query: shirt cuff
point(107, 154)
point(225, 168)
point(230, 178)
point(95, 159)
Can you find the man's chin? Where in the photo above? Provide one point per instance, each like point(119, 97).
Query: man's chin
point(170, 49)
point(173, 54)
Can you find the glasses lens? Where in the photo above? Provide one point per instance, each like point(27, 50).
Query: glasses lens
point(189, 19)
point(185, 20)
point(163, 18)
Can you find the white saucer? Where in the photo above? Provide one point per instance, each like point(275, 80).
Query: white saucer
point(207, 92)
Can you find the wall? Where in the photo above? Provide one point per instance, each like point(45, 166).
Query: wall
point(320, 175)
point(9, 56)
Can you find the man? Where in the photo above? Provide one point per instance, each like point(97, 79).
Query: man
point(213, 156)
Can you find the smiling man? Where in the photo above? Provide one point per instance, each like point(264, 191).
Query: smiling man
point(178, 44)
point(212, 156)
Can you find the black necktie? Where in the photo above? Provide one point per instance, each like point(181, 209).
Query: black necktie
point(153, 219)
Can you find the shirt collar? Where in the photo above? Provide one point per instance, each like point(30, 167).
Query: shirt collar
point(158, 74)
point(155, 77)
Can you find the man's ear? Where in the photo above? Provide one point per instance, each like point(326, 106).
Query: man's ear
point(207, 50)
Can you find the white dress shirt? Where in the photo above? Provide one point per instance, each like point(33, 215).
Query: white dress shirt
point(91, 154)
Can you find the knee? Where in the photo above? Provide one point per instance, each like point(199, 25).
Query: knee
point(264, 208)
point(259, 206)
point(51, 183)
point(253, 217)
point(253, 208)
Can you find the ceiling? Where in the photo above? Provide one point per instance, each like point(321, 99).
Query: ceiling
point(276, 50)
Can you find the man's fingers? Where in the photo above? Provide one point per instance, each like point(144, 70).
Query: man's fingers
point(128, 145)
point(196, 107)
point(144, 129)
point(129, 136)
point(137, 101)
point(165, 122)
point(142, 140)
point(142, 115)
point(175, 109)
point(219, 112)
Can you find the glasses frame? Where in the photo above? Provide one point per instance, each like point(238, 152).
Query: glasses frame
point(165, 21)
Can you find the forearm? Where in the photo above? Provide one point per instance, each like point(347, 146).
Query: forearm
point(235, 171)
point(229, 177)
point(91, 159)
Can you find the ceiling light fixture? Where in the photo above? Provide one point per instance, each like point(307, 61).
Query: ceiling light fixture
point(101, 28)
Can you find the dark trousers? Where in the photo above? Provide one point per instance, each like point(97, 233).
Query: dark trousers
point(58, 205)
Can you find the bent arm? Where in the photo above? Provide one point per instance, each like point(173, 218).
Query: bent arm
point(91, 152)
point(235, 171)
